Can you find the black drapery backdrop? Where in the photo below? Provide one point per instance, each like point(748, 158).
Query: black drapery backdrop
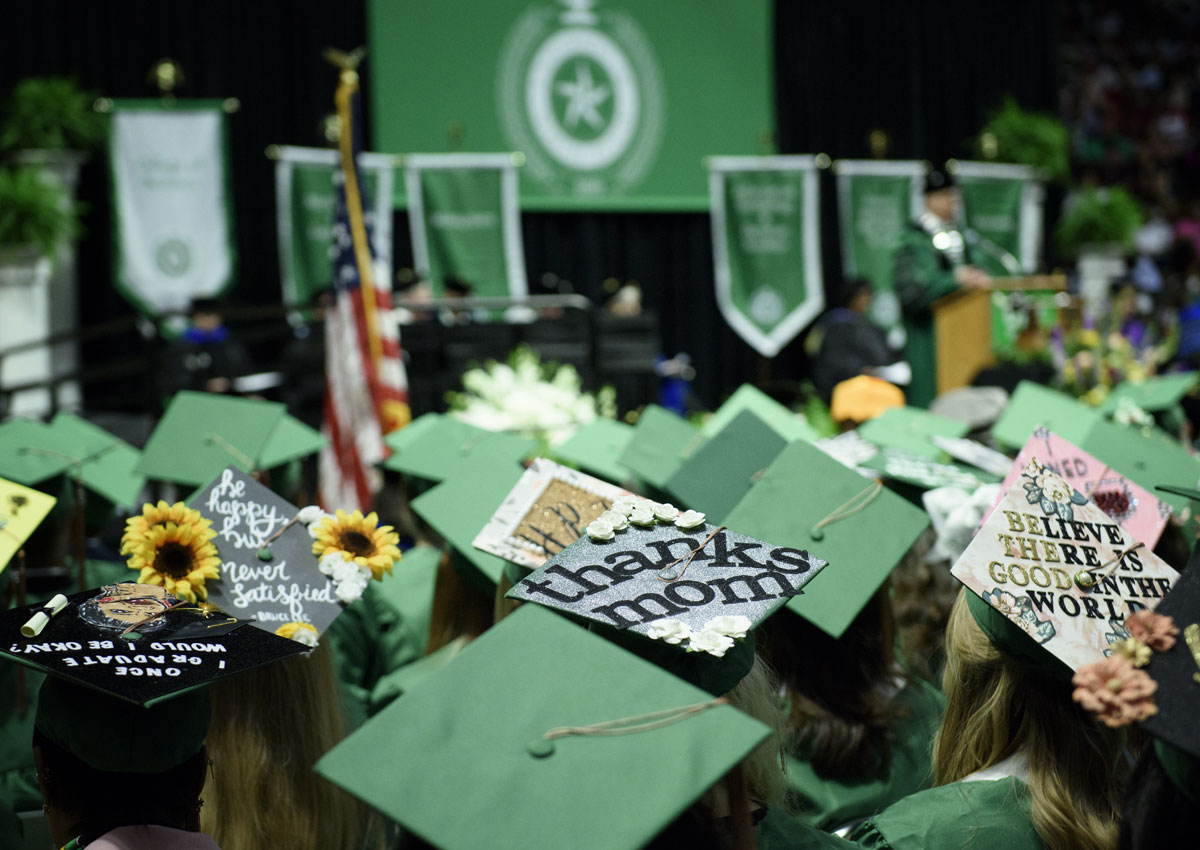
point(925, 72)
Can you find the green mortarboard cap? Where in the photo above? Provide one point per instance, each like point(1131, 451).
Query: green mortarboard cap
point(1032, 405)
point(290, 440)
point(400, 681)
point(659, 443)
point(462, 505)
point(182, 650)
point(22, 510)
point(1178, 695)
point(805, 487)
point(784, 422)
point(546, 511)
point(436, 447)
point(1150, 461)
point(911, 430)
point(596, 448)
point(106, 463)
point(1153, 394)
point(720, 472)
point(1050, 569)
point(464, 760)
point(202, 433)
point(30, 453)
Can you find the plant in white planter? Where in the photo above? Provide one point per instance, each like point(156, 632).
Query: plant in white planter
point(34, 220)
point(50, 114)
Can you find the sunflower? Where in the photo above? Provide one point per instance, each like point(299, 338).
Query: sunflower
point(137, 527)
point(179, 557)
point(304, 633)
point(359, 539)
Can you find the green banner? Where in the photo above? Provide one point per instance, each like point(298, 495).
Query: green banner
point(304, 203)
point(767, 246)
point(465, 222)
point(172, 216)
point(876, 201)
point(614, 103)
point(1003, 204)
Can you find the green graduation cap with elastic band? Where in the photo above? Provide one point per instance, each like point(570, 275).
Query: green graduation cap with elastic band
point(1032, 405)
point(911, 430)
point(660, 443)
point(808, 500)
point(596, 448)
point(721, 471)
point(106, 464)
point(29, 452)
point(1151, 461)
point(459, 507)
point(782, 421)
point(435, 447)
point(1154, 394)
point(540, 734)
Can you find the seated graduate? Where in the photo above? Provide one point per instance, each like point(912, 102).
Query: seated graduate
point(123, 713)
point(1165, 787)
point(1016, 762)
point(849, 344)
point(860, 728)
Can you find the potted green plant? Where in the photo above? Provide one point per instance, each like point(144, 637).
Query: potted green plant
point(50, 122)
point(1096, 229)
point(35, 218)
point(1029, 138)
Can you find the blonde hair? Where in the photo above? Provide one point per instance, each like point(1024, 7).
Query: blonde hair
point(268, 729)
point(996, 707)
point(757, 694)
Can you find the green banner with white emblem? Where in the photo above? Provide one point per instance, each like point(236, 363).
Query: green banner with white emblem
point(614, 103)
point(766, 246)
point(173, 221)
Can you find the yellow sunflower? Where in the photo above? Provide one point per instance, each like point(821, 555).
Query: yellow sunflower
point(304, 633)
point(359, 539)
point(137, 527)
point(178, 557)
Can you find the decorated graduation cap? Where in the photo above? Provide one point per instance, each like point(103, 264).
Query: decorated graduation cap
point(135, 642)
point(748, 397)
point(460, 506)
point(547, 510)
point(911, 430)
point(1139, 512)
point(660, 443)
point(436, 447)
point(22, 510)
point(596, 448)
point(863, 397)
point(926, 473)
point(975, 454)
point(574, 741)
point(721, 471)
point(202, 433)
point(1032, 405)
point(1152, 460)
point(1049, 569)
point(806, 499)
point(673, 588)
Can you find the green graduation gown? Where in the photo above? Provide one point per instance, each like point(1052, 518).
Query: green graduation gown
point(921, 274)
point(829, 804)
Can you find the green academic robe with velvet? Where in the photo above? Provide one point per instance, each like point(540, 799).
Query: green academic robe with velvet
point(993, 814)
point(921, 274)
point(830, 804)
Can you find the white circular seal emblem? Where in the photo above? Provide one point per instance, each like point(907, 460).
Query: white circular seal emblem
point(766, 307)
point(580, 94)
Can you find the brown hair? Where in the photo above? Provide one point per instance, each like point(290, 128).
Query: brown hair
point(268, 729)
point(922, 596)
point(459, 608)
point(840, 713)
point(996, 707)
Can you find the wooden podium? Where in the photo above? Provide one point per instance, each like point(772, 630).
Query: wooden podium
point(962, 327)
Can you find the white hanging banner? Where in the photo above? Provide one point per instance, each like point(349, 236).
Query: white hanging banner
point(172, 217)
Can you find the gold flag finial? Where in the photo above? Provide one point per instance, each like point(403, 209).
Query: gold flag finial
point(347, 63)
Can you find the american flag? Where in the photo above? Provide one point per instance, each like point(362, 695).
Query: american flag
point(366, 390)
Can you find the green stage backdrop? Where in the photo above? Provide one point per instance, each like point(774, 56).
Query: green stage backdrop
point(613, 102)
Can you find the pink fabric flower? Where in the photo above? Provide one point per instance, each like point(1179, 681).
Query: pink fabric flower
point(1115, 691)
point(1157, 631)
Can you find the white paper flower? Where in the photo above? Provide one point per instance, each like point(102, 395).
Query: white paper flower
point(349, 591)
point(731, 625)
point(616, 519)
point(310, 515)
point(670, 630)
point(344, 571)
point(600, 531)
point(329, 563)
point(689, 519)
point(626, 504)
point(642, 516)
point(665, 511)
point(714, 643)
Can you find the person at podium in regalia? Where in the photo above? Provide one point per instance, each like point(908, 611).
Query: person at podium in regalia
point(933, 259)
